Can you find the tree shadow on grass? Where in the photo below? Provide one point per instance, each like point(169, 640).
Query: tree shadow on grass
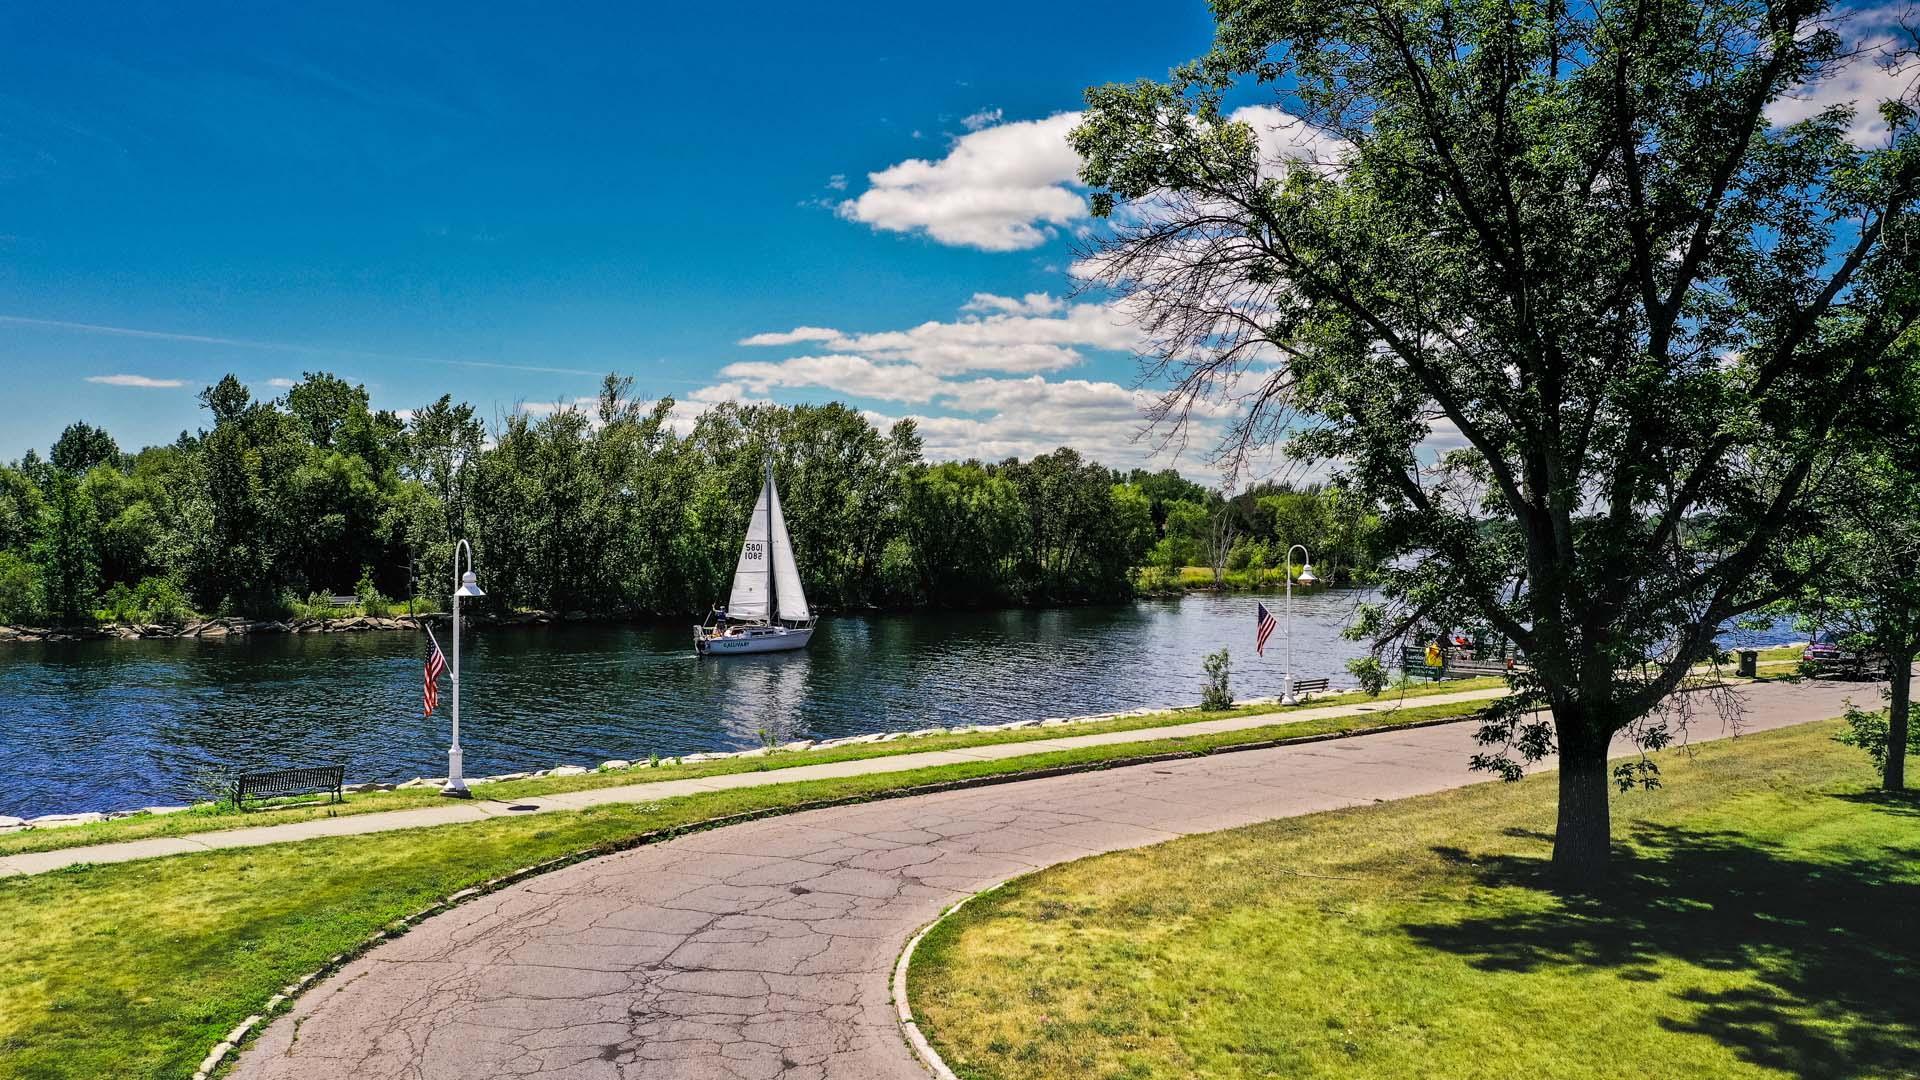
point(1832, 946)
point(1904, 803)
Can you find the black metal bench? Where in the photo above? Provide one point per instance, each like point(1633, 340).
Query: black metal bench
point(314, 780)
point(1309, 686)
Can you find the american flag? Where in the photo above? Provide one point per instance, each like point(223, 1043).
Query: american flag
point(436, 663)
point(1267, 623)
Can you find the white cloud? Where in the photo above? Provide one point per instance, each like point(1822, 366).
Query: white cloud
point(1863, 81)
point(975, 386)
point(1013, 186)
point(984, 118)
point(280, 384)
point(1003, 187)
point(137, 380)
point(793, 337)
point(589, 405)
point(838, 181)
point(1034, 333)
point(713, 395)
point(1285, 138)
point(839, 372)
point(1034, 303)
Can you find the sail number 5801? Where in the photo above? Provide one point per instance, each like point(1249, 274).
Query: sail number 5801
point(752, 552)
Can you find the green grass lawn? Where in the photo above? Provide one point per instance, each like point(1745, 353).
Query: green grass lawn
point(1765, 922)
point(210, 818)
point(134, 970)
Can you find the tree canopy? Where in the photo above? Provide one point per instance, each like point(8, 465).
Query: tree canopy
point(1548, 285)
point(623, 508)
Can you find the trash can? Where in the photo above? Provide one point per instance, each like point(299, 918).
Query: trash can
point(1749, 663)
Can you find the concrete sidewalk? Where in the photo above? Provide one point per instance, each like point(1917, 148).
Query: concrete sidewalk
point(480, 809)
point(764, 950)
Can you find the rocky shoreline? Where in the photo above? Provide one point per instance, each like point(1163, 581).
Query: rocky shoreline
point(53, 821)
point(237, 627)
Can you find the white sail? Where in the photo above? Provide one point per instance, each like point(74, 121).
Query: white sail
point(789, 597)
point(753, 576)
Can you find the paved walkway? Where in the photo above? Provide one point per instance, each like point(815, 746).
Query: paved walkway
point(453, 812)
point(762, 951)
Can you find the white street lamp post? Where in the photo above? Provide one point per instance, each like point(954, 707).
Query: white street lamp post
point(463, 585)
point(1306, 577)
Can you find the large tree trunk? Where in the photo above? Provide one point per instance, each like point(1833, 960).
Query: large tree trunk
point(1894, 776)
point(1583, 840)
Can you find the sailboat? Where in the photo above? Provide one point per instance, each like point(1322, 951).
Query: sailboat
point(767, 611)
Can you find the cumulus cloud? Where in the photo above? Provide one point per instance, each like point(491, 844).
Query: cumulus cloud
point(1876, 72)
point(1030, 334)
point(845, 374)
point(137, 380)
point(280, 384)
point(1034, 303)
point(1014, 186)
point(1284, 138)
point(1003, 187)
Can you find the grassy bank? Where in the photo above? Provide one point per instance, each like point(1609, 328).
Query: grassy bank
point(134, 970)
point(216, 817)
point(1763, 925)
point(1188, 578)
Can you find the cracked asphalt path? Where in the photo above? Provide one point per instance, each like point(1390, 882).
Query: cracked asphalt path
point(763, 951)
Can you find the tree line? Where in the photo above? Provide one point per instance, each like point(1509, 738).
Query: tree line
point(608, 509)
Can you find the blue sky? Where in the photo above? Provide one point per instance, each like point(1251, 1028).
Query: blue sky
point(789, 203)
point(402, 198)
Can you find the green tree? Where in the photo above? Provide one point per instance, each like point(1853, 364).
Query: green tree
point(1571, 237)
point(81, 447)
point(68, 566)
point(962, 523)
point(1862, 581)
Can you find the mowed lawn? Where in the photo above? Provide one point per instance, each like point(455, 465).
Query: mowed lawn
point(1765, 923)
point(135, 970)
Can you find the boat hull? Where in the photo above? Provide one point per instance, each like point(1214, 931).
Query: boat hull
point(780, 639)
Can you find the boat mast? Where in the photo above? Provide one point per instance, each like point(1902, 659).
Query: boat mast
point(773, 607)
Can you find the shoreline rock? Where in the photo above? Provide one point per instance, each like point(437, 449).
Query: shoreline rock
point(616, 765)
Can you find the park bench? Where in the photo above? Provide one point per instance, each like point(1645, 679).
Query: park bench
point(313, 780)
point(343, 601)
point(1309, 686)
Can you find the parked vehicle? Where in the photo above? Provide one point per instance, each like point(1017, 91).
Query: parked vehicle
point(1832, 653)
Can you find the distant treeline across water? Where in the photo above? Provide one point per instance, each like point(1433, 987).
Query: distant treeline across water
point(620, 507)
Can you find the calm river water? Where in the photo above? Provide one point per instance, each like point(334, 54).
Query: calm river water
point(113, 725)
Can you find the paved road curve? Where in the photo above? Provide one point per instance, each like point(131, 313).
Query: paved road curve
point(763, 950)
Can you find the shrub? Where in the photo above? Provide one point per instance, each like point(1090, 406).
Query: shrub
point(154, 600)
point(1867, 731)
point(1240, 556)
point(371, 602)
point(1217, 694)
point(19, 589)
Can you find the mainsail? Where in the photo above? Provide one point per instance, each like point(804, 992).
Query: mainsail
point(766, 570)
point(752, 575)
